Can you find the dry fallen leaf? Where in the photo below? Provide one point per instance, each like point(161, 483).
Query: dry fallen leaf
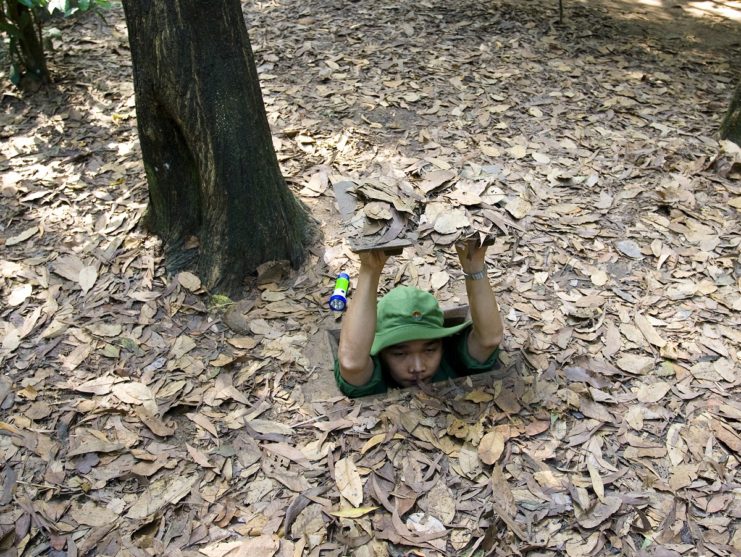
point(599, 278)
point(198, 456)
point(98, 386)
point(435, 179)
point(518, 207)
point(441, 503)
point(649, 331)
point(614, 262)
point(245, 343)
point(164, 491)
point(189, 281)
point(597, 484)
point(491, 447)
point(439, 279)
point(490, 151)
point(133, 392)
point(352, 512)
point(91, 514)
point(22, 237)
point(203, 422)
point(19, 294)
point(541, 158)
point(348, 481)
point(636, 364)
point(653, 392)
point(629, 248)
point(675, 445)
point(518, 151)
point(450, 221)
point(600, 512)
point(105, 329)
point(87, 278)
point(182, 345)
point(68, 266)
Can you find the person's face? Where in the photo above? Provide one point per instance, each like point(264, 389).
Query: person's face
point(413, 361)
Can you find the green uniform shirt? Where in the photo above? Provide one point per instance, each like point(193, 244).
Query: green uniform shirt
point(456, 362)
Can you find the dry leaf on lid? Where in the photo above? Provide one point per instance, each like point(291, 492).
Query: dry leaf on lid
point(449, 221)
point(378, 210)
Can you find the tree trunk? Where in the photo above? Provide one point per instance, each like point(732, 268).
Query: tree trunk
point(730, 128)
point(206, 143)
point(27, 49)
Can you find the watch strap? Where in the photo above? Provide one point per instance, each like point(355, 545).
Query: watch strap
point(478, 275)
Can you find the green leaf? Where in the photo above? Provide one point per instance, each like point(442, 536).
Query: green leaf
point(111, 351)
point(220, 301)
point(32, 4)
point(130, 344)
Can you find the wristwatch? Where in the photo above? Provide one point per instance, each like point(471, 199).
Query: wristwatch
point(475, 276)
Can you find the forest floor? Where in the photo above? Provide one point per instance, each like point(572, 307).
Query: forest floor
point(141, 415)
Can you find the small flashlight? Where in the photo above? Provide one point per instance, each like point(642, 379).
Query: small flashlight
point(338, 300)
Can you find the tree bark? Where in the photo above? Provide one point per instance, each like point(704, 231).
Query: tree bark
point(730, 128)
point(206, 142)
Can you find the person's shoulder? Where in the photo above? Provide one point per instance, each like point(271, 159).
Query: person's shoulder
point(456, 353)
point(375, 385)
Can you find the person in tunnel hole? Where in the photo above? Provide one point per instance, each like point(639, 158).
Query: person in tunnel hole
point(401, 339)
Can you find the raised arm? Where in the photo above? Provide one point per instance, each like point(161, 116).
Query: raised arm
point(487, 322)
point(359, 323)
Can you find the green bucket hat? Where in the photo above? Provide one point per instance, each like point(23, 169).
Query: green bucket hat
point(407, 313)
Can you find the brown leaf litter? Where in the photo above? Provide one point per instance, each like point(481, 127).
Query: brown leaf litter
point(141, 416)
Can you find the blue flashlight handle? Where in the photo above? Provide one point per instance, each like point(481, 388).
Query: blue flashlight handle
point(338, 300)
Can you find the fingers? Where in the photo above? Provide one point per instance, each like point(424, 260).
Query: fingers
point(469, 248)
point(374, 259)
point(463, 247)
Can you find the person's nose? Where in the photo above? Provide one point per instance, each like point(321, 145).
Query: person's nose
point(418, 365)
